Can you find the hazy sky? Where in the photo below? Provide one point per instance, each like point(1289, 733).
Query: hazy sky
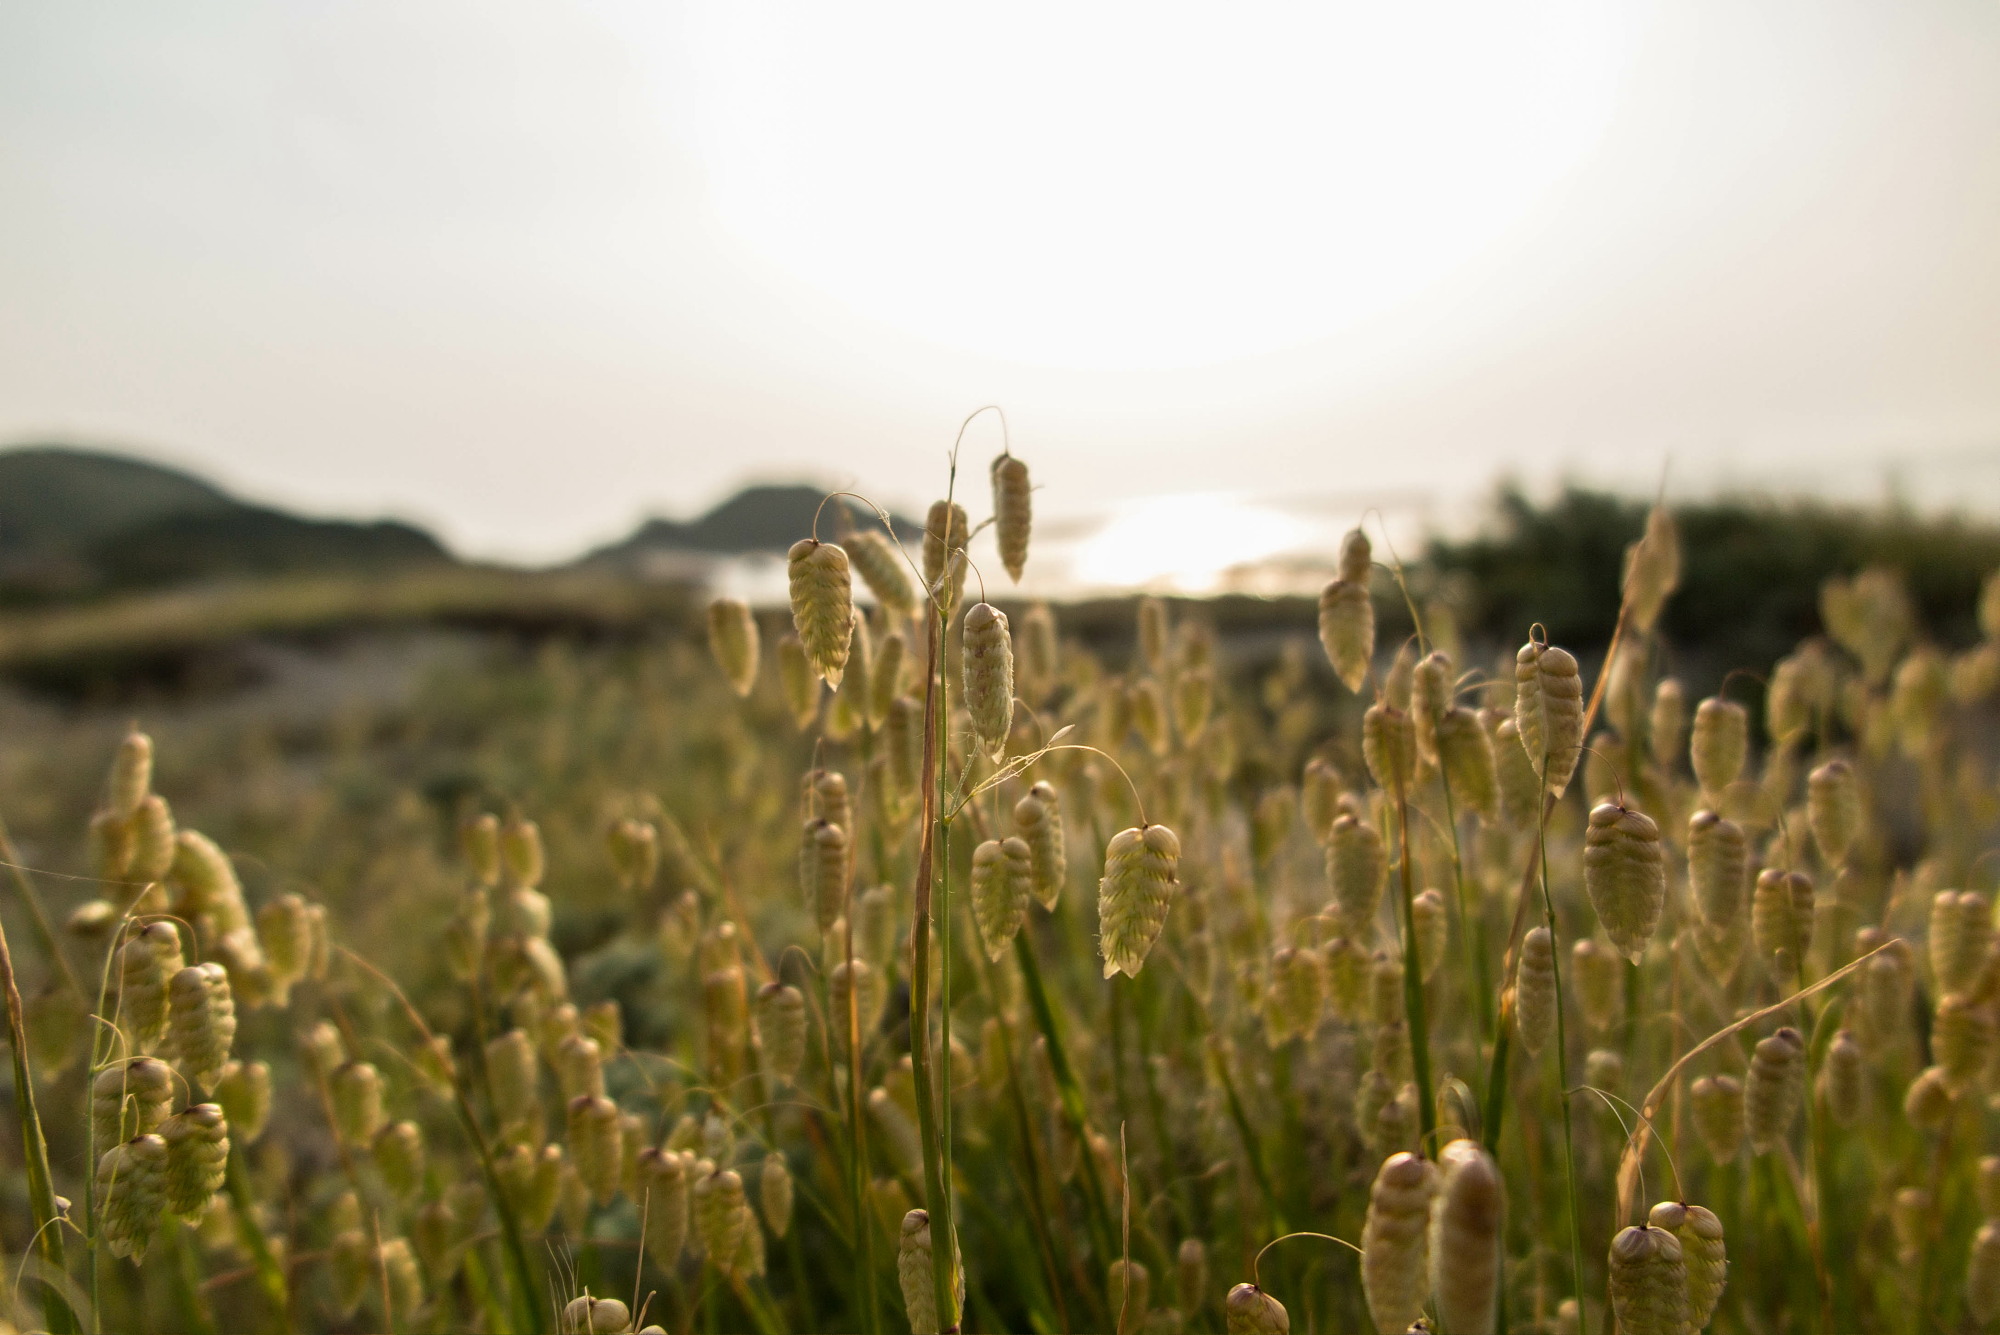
point(526, 270)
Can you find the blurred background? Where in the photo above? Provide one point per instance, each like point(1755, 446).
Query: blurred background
point(541, 312)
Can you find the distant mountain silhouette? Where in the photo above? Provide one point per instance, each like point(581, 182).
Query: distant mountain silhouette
point(77, 523)
point(763, 518)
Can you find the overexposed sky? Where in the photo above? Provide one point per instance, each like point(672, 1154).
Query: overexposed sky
point(527, 271)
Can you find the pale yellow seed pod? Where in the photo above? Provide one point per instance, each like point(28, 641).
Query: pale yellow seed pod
point(398, 1150)
point(1718, 858)
point(662, 1180)
point(1667, 728)
point(1702, 1249)
point(579, 1063)
point(1719, 744)
point(1320, 792)
point(733, 640)
point(1001, 874)
point(1430, 697)
point(1248, 1310)
point(1038, 821)
point(1389, 745)
point(1347, 968)
point(852, 981)
point(989, 676)
point(1465, 1238)
point(774, 1193)
point(945, 536)
point(1961, 929)
point(513, 1078)
point(131, 774)
point(146, 962)
point(1148, 714)
point(585, 1315)
point(1128, 1293)
point(1833, 809)
point(1194, 697)
point(110, 846)
point(1776, 1086)
point(914, 1270)
point(1347, 630)
point(1962, 1040)
point(1465, 754)
point(822, 605)
point(1600, 983)
point(1624, 873)
point(1548, 712)
point(1520, 786)
point(522, 857)
point(285, 926)
point(1133, 897)
point(1295, 996)
point(1773, 924)
point(1649, 1288)
point(798, 681)
point(1716, 1104)
point(781, 1029)
point(1928, 1101)
point(1652, 570)
point(208, 882)
point(596, 1144)
point(1012, 513)
point(823, 871)
point(152, 835)
point(1395, 1242)
point(129, 1100)
point(201, 1021)
point(881, 566)
point(1040, 663)
point(1844, 1079)
point(1357, 870)
point(1535, 990)
point(1399, 682)
point(131, 1193)
point(726, 1019)
point(1982, 1274)
point(1191, 1276)
point(356, 1092)
point(1433, 930)
point(1356, 557)
point(479, 843)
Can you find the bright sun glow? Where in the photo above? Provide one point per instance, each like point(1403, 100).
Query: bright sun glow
point(1183, 544)
point(1141, 185)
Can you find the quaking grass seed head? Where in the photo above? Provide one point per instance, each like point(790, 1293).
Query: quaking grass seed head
point(1465, 1238)
point(781, 1030)
point(881, 566)
point(1395, 1241)
point(1465, 754)
point(1833, 809)
point(1719, 744)
point(1652, 569)
point(1718, 858)
point(1716, 1105)
point(1013, 509)
point(1248, 1310)
point(733, 640)
point(1548, 712)
point(1038, 821)
point(1535, 990)
point(1703, 1252)
point(1001, 874)
point(1347, 630)
point(1775, 1089)
point(1357, 870)
point(201, 1021)
point(1389, 745)
point(1648, 1282)
point(1624, 873)
point(989, 676)
point(822, 605)
point(1133, 897)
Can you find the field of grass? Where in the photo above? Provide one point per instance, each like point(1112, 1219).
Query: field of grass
point(559, 967)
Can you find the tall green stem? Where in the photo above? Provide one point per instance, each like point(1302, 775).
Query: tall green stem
point(35, 1151)
point(1562, 1075)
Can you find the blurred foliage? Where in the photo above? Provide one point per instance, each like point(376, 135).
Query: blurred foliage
point(1751, 570)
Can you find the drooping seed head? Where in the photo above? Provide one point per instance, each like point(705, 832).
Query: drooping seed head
point(1719, 744)
point(1667, 727)
point(1248, 1310)
point(663, 1190)
point(1395, 1241)
point(823, 871)
point(1604, 1069)
point(1982, 1274)
point(1133, 897)
point(1038, 821)
point(152, 836)
point(146, 963)
point(1961, 929)
point(1716, 1104)
point(356, 1092)
point(1649, 1282)
point(852, 983)
point(128, 1100)
point(1702, 1249)
point(131, 774)
point(1356, 557)
point(1718, 857)
point(1465, 1238)
point(1833, 809)
point(285, 925)
point(201, 1021)
point(596, 1144)
point(1548, 712)
point(1465, 754)
point(781, 1029)
point(1535, 990)
point(798, 680)
point(989, 676)
point(1774, 924)
point(1320, 791)
point(914, 1273)
point(774, 1193)
point(1039, 663)
point(1191, 1275)
point(1357, 871)
point(882, 568)
point(398, 1151)
point(1012, 513)
point(822, 605)
point(1652, 569)
point(1520, 786)
point(1844, 1078)
point(1389, 745)
point(1624, 873)
point(733, 640)
point(1128, 1293)
point(1776, 1087)
point(522, 856)
point(1002, 871)
point(579, 1063)
point(1148, 714)
point(1347, 630)
point(585, 1315)
point(1433, 929)
point(945, 536)
point(132, 1193)
point(1928, 1102)
point(1295, 996)
point(1962, 1039)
